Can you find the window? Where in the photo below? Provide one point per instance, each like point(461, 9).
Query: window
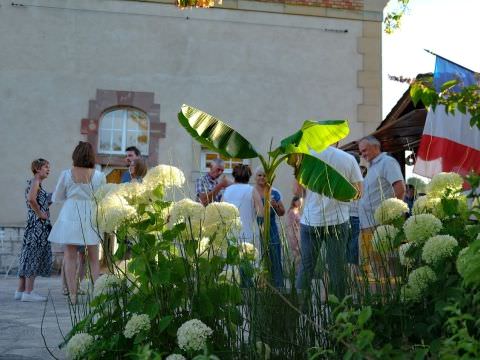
point(209, 155)
point(121, 128)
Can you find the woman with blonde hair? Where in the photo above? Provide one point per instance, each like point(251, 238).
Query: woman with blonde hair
point(74, 225)
point(36, 255)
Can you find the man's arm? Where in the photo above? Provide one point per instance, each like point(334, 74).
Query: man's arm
point(208, 197)
point(359, 187)
point(399, 189)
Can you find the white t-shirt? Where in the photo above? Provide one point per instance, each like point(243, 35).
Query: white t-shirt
point(321, 210)
point(241, 195)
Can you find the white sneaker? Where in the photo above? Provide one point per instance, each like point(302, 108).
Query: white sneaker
point(33, 297)
point(18, 295)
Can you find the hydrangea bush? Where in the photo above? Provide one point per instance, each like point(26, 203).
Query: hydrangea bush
point(177, 288)
point(440, 262)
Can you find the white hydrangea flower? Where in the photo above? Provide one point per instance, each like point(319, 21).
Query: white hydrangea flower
point(425, 205)
point(105, 284)
point(222, 220)
point(175, 357)
point(193, 335)
point(112, 212)
point(103, 190)
point(188, 211)
point(419, 281)
point(165, 175)
point(204, 247)
point(217, 213)
point(248, 251)
point(78, 345)
point(443, 181)
point(402, 254)
point(390, 210)
point(383, 238)
point(136, 324)
point(462, 261)
point(135, 193)
point(230, 275)
point(419, 228)
point(184, 209)
point(438, 248)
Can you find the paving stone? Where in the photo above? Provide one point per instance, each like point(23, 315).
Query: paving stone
point(21, 322)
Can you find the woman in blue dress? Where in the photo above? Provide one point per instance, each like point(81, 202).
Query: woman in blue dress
point(276, 209)
point(36, 255)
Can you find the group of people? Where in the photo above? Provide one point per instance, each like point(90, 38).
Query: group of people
point(73, 228)
point(323, 221)
point(344, 229)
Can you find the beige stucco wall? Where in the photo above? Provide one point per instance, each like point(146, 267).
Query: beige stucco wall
point(262, 72)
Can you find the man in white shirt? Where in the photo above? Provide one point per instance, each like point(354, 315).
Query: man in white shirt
point(326, 220)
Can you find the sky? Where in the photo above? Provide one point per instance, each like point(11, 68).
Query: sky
point(449, 28)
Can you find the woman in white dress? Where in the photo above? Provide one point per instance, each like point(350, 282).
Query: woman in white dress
point(248, 202)
point(74, 225)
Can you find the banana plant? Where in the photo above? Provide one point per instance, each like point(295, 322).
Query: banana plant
point(310, 172)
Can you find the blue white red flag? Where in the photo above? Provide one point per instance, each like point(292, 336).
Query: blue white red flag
point(448, 143)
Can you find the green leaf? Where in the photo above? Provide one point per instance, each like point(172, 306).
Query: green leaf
point(475, 120)
point(315, 135)
point(317, 176)
point(416, 93)
point(164, 322)
point(215, 134)
point(449, 84)
point(365, 338)
point(364, 316)
point(152, 309)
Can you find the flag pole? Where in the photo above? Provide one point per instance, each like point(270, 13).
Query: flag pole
point(444, 58)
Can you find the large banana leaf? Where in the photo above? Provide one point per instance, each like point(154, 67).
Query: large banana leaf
point(314, 135)
point(318, 176)
point(215, 134)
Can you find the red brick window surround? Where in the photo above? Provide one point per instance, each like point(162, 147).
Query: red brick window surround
point(107, 101)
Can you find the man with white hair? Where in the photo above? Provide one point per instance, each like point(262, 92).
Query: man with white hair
point(209, 187)
point(384, 180)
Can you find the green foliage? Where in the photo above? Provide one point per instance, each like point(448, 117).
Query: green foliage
point(465, 101)
point(440, 323)
point(392, 20)
point(167, 280)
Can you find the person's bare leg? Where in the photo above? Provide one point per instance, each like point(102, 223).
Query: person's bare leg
point(62, 275)
point(93, 261)
point(21, 284)
point(29, 282)
point(81, 266)
point(70, 270)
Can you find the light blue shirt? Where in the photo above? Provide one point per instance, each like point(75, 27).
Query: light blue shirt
point(383, 172)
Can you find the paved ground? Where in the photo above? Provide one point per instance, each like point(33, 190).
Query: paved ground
point(21, 322)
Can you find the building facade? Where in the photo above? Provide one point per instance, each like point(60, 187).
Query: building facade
point(116, 72)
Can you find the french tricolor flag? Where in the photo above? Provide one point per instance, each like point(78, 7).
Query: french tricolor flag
point(448, 143)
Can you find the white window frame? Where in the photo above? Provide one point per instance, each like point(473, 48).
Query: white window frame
point(124, 130)
point(203, 161)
